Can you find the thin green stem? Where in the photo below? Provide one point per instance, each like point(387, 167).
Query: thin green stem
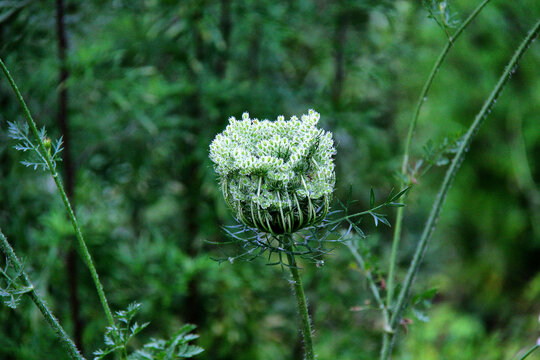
point(390, 282)
point(412, 126)
point(336, 221)
point(371, 282)
point(305, 321)
point(87, 258)
point(38, 301)
point(531, 350)
point(431, 222)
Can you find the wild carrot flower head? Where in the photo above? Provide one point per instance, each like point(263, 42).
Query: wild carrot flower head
point(277, 176)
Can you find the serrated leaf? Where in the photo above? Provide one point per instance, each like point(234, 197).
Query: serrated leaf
point(190, 337)
point(191, 351)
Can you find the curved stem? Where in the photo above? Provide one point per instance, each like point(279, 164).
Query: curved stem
point(531, 350)
point(429, 228)
point(87, 258)
point(420, 102)
point(45, 311)
point(412, 126)
point(305, 321)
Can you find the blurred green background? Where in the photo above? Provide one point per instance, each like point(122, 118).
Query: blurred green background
point(152, 82)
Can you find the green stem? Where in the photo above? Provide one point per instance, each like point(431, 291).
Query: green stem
point(412, 126)
point(301, 302)
point(45, 311)
point(531, 350)
point(336, 221)
point(87, 258)
point(372, 284)
point(405, 163)
point(429, 228)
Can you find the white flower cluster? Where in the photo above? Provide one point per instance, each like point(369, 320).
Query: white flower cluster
point(274, 165)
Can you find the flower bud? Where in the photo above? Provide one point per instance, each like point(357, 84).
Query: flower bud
point(47, 143)
point(277, 176)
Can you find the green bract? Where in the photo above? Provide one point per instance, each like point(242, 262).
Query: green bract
point(277, 176)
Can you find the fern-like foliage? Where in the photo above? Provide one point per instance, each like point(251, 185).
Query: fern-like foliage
point(440, 154)
point(117, 339)
point(36, 158)
point(440, 11)
point(312, 242)
point(177, 347)
point(435, 154)
point(11, 290)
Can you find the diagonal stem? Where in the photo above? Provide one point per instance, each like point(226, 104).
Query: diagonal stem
point(43, 308)
point(87, 258)
point(531, 350)
point(431, 222)
point(405, 163)
point(412, 127)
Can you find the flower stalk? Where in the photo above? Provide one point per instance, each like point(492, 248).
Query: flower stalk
point(50, 165)
point(301, 302)
point(278, 178)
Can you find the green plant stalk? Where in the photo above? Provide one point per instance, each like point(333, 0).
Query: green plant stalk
point(301, 302)
point(405, 163)
point(412, 127)
point(123, 354)
point(87, 258)
point(45, 311)
point(531, 350)
point(372, 284)
point(429, 228)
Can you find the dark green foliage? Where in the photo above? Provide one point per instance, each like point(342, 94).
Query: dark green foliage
point(118, 337)
point(177, 347)
point(11, 291)
point(151, 84)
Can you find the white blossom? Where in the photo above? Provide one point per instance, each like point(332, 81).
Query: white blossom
point(276, 175)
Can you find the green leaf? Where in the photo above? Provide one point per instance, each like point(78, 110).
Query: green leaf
point(420, 315)
point(191, 351)
point(426, 295)
point(400, 194)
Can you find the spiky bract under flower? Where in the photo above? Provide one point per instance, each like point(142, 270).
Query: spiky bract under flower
point(277, 176)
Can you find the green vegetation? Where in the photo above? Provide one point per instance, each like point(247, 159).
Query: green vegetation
point(138, 91)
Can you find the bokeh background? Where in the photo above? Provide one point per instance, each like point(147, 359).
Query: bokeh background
point(147, 86)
